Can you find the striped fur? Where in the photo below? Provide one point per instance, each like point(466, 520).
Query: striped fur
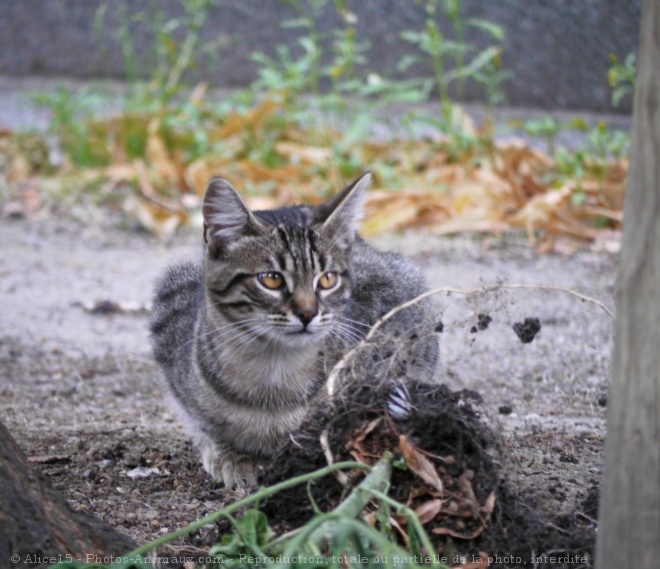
point(242, 361)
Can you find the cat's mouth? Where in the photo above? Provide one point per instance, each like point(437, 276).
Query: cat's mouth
point(302, 332)
point(304, 335)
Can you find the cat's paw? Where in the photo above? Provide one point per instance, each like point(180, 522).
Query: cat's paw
point(238, 471)
point(234, 470)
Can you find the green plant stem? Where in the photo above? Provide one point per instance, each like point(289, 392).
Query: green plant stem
point(126, 41)
point(378, 479)
point(413, 519)
point(438, 63)
point(259, 495)
point(182, 61)
point(445, 105)
point(185, 55)
point(455, 14)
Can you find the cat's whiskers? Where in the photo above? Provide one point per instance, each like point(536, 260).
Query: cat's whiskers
point(209, 333)
point(216, 333)
point(223, 338)
point(242, 343)
point(247, 342)
point(353, 322)
point(223, 344)
point(353, 325)
point(346, 333)
point(367, 328)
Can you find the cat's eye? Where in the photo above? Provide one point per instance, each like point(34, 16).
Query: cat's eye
point(272, 281)
point(328, 280)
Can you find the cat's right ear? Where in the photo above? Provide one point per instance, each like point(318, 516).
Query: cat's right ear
point(226, 217)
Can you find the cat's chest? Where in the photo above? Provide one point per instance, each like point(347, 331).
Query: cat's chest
point(275, 371)
point(273, 378)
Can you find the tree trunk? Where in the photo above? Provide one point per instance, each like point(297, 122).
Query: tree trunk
point(37, 526)
point(629, 532)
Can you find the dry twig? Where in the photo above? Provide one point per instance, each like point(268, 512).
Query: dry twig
point(343, 362)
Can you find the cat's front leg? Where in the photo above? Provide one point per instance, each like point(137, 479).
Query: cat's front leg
point(233, 469)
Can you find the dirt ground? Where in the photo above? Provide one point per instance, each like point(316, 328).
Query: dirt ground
point(79, 389)
point(80, 392)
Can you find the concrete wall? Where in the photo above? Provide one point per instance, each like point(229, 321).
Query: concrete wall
point(558, 50)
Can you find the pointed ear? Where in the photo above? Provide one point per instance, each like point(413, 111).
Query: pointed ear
point(341, 216)
point(226, 217)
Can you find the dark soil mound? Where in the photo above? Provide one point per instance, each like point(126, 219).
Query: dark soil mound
point(468, 506)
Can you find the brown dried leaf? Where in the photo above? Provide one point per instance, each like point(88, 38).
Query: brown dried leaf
point(398, 526)
point(485, 512)
point(260, 173)
point(253, 121)
point(465, 484)
point(122, 172)
point(457, 534)
point(150, 192)
point(155, 219)
point(159, 158)
point(465, 223)
point(368, 428)
point(19, 169)
point(198, 92)
point(197, 175)
point(370, 518)
point(355, 446)
point(420, 465)
point(429, 510)
point(397, 213)
point(487, 509)
point(300, 153)
point(551, 212)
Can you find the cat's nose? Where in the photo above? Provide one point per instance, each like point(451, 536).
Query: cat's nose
point(306, 314)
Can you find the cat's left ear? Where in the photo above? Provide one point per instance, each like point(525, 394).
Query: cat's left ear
point(341, 216)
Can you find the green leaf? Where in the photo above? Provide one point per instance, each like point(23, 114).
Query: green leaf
point(578, 123)
point(407, 61)
point(358, 130)
point(250, 532)
point(493, 29)
point(479, 62)
point(542, 127)
point(578, 197)
point(296, 23)
point(412, 37)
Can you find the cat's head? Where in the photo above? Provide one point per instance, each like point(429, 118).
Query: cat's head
point(284, 274)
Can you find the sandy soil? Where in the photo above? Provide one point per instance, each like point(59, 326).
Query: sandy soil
point(79, 390)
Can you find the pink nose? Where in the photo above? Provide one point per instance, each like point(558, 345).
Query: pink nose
point(306, 314)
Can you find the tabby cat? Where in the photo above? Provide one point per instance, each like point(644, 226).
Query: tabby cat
point(247, 337)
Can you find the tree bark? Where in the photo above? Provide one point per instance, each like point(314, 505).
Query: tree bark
point(629, 532)
point(37, 526)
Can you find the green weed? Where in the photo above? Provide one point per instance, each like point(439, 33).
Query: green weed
point(69, 122)
point(622, 77)
point(336, 539)
point(453, 59)
point(547, 129)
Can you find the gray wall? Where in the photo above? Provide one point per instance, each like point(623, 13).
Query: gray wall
point(558, 50)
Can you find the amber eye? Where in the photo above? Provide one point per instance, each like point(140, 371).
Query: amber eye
point(328, 280)
point(272, 281)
